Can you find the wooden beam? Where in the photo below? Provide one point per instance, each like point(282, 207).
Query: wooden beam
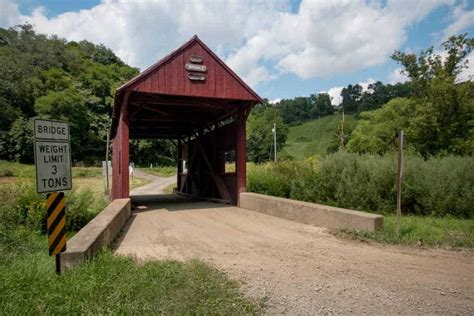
point(220, 184)
point(241, 155)
point(120, 180)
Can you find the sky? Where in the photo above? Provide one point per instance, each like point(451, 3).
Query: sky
point(281, 48)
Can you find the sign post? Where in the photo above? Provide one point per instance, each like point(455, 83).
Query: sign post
point(53, 174)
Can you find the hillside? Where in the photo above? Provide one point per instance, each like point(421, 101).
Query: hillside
point(314, 137)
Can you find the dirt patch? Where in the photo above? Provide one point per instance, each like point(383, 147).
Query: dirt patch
point(300, 268)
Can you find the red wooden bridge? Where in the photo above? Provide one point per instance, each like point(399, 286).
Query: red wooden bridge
point(193, 97)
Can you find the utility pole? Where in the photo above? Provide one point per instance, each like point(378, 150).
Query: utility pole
point(275, 140)
point(399, 181)
point(341, 131)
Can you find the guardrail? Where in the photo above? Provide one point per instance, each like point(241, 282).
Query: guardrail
point(311, 213)
point(98, 233)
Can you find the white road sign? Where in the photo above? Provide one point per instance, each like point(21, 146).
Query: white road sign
point(50, 129)
point(52, 156)
point(53, 166)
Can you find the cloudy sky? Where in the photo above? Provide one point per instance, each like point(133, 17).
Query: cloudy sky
point(282, 48)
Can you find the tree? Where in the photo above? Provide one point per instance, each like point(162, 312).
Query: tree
point(438, 118)
point(376, 129)
point(443, 119)
point(259, 132)
point(428, 65)
point(155, 151)
point(321, 105)
point(351, 98)
point(49, 77)
point(20, 141)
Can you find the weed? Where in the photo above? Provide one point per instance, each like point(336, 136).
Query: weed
point(421, 231)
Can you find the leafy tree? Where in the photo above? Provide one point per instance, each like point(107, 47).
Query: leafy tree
point(49, 77)
point(259, 132)
point(427, 65)
point(321, 105)
point(376, 129)
point(155, 151)
point(19, 142)
point(378, 94)
point(443, 119)
point(351, 98)
point(438, 118)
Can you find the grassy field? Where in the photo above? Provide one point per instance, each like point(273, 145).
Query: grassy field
point(436, 213)
point(162, 171)
point(84, 178)
point(314, 137)
point(108, 284)
point(421, 231)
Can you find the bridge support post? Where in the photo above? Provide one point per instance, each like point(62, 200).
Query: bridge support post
point(120, 159)
point(241, 155)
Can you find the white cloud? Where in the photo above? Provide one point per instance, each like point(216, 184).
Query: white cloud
point(260, 40)
point(365, 84)
point(331, 37)
point(142, 32)
point(335, 94)
point(397, 76)
point(468, 73)
point(9, 13)
point(462, 18)
point(275, 101)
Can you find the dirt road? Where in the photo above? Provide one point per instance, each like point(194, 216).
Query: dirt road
point(156, 186)
point(301, 269)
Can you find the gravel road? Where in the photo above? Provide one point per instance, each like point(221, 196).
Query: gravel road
point(156, 186)
point(301, 269)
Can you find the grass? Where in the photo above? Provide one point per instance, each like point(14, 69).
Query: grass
point(108, 284)
point(138, 182)
point(313, 138)
point(437, 194)
point(111, 285)
point(14, 169)
point(162, 171)
point(83, 177)
point(443, 232)
point(170, 188)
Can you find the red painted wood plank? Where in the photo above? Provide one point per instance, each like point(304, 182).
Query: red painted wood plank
point(154, 81)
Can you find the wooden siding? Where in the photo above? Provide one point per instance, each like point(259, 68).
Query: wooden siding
point(171, 78)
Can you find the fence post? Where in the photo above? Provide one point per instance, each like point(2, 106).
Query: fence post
point(399, 181)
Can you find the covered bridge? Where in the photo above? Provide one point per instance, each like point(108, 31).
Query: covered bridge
point(190, 96)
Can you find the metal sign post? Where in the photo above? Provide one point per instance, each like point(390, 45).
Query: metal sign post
point(53, 174)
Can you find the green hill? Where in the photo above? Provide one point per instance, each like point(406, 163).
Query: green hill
point(314, 137)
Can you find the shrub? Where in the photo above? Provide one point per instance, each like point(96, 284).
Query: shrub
point(438, 186)
point(81, 208)
point(358, 182)
point(83, 172)
point(6, 173)
point(23, 206)
point(295, 179)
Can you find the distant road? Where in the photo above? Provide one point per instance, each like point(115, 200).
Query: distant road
point(157, 185)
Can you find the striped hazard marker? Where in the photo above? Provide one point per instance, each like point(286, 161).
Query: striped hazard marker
point(56, 223)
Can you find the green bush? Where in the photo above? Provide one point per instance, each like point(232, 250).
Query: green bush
point(6, 173)
point(289, 179)
point(86, 172)
point(358, 182)
point(438, 186)
point(81, 207)
point(23, 206)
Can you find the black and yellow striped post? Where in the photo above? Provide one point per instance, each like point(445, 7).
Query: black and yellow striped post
point(56, 204)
